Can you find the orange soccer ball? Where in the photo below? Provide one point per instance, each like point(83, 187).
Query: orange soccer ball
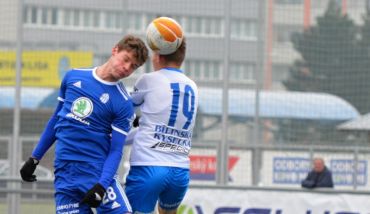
point(164, 35)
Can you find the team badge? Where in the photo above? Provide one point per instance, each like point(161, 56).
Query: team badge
point(82, 107)
point(104, 98)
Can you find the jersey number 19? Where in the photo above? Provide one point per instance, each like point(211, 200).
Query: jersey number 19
point(188, 100)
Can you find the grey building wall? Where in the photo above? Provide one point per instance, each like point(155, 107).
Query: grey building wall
point(8, 20)
point(100, 41)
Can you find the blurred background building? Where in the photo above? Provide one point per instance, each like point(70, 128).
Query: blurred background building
point(297, 79)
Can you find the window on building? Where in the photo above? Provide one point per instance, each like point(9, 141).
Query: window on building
point(54, 16)
point(203, 70)
point(283, 33)
point(149, 18)
point(289, 1)
point(243, 29)
point(118, 22)
point(29, 15)
point(113, 20)
point(44, 16)
point(213, 26)
point(67, 17)
point(76, 18)
point(136, 22)
point(202, 26)
point(196, 70)
point(87, 19)
point(109, 20)
point(242, 72)
point(96, 19)
point(33, 15)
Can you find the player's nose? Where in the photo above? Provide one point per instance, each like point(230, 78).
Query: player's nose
point(129, 67)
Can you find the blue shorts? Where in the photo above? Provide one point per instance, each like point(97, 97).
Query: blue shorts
point(73, 179)
point(147, 184)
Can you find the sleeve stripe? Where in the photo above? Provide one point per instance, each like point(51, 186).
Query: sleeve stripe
point(119, 130)
point(60, 99)
point(122, 92)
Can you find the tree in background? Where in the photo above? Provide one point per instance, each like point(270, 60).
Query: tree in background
point(334, 59)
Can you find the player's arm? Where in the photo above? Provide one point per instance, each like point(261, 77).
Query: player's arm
point(140, 90)
point(114, 157)
point(46, 140)
point(120, 127)
point(95, 195)
point(131, 136)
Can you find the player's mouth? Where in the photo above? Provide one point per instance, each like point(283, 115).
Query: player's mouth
point(122, 73)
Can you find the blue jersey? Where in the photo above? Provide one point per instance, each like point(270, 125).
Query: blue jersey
point(92, 108)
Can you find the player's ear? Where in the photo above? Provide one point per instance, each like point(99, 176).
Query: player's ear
point(114, 50)
point(161, 59)
point(155, 57)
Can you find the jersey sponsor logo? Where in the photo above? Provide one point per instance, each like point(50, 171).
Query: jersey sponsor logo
point(77, 84)
point(104, 98)
point(67, 206)
point(82, 107)
point(172, 140)
point(169, 147)
point(78, 118)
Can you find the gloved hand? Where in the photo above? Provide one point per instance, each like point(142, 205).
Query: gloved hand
point(94, 196)
point(136, 122)
point(28, 169)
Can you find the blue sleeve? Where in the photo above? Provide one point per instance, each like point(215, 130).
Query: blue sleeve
point(48, 135)
point(113, 160)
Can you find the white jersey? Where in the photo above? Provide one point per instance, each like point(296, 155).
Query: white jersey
point(168, 101)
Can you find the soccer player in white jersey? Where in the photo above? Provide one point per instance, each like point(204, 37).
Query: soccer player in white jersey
point(159, 159)
point(90, 125)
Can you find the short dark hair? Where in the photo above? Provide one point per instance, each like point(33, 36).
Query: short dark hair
point(178, 56)
point(135, 44)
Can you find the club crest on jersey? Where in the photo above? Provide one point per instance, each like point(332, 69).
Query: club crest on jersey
point(104, 98)
point(82, 107)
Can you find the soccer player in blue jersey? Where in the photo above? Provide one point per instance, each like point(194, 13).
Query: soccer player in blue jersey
point(159, 159)
point(89, 126)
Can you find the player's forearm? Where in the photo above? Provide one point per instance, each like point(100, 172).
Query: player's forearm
point(131, 136)
point(113, 160)
point(110, 168)
point(48, 136)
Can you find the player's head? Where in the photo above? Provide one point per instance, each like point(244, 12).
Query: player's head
point(136, 46)
point(171, 60)
point(127, 55)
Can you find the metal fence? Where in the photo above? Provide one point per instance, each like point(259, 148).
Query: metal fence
point(280, 81)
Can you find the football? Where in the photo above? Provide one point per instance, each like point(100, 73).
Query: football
point(164, 35)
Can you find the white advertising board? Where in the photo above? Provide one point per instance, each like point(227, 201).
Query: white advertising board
point(229, 201)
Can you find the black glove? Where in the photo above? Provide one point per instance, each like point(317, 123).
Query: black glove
point(94, 196)
point(136, 121)
point(28, 169)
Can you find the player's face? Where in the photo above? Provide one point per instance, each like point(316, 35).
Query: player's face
point(124, 63)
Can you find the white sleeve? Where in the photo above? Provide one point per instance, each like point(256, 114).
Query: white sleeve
point(131, 136)
point(139, 92)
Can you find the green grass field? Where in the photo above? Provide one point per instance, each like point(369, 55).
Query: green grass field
point(32, 208)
